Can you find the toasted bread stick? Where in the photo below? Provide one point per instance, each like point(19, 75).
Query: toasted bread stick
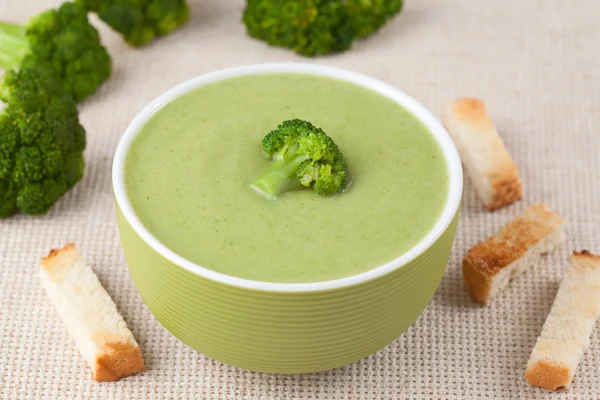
point(90, 315)
point(486, 159)
point(569, 325)
point(490, 265)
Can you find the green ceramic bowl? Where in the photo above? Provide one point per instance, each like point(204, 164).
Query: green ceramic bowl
point(277, 327)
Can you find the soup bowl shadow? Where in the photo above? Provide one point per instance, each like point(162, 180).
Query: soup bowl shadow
point(286, 327)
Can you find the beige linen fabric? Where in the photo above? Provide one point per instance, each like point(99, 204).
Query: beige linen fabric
point(535, 62)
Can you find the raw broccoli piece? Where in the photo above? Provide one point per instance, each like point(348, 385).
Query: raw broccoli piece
point(41, 141)
point(302, 156)
point(316, 27)
point(370, 15)
point(62, 39)
point(140, 21)
point(309, 27)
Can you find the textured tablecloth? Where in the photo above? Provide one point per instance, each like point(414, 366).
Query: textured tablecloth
point(535, 62)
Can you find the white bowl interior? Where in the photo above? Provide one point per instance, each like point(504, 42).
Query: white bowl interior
point(431, 122)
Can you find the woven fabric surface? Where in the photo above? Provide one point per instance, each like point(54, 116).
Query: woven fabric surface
point(536, 64)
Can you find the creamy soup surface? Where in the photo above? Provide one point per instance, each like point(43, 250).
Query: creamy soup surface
point(188, 171)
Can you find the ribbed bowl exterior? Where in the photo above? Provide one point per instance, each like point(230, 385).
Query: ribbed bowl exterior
point(284, 332)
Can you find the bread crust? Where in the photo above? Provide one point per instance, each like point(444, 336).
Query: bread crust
point(548, 375)
point(485, 261)
point(565, 335)
point(60, 261)
point(487, 161)
point(90, 316)
point(507, 186)
point(119, 358)
point(473, 111)
point(482, 263)
point(586, 255)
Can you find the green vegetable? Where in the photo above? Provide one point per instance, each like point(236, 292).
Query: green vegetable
point(309, 27)
point(316, 27)
point(370, 15)
point(41, 141)
point(302, 156)
point(61, 39)
point(140, 21)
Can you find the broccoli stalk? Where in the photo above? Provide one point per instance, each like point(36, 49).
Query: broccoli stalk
point(41, 141)
point(280, 175)
point(13, 45)
point(61, 39)
point(302, 156)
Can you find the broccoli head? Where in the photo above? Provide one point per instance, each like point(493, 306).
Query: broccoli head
point(140, 21)
point(309, 27)
point(41, 141)
point(62, 39)
point(301, 155)
point(316, 27)
point(370, 15)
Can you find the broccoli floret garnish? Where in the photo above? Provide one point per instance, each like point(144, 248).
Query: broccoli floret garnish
point(316, 27)
point(370, 15)
point(309, 27)
point(41, 141)
point(140, 21)
point(62, 39)
point(302, 156)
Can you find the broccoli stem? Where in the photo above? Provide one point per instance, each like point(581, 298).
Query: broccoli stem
point(13, 45)
point(279, 177)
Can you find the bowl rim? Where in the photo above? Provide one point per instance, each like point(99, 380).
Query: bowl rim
point(425, 116)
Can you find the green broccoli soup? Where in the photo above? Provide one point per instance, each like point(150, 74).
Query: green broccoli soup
point(188, 176)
